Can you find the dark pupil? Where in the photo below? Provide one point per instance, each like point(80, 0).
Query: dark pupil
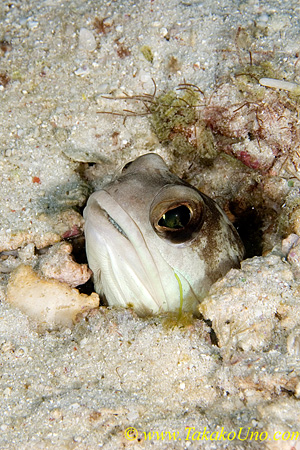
point(175, 218)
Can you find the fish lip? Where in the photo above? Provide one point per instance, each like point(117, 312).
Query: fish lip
point(134, 259)
point(115, 224)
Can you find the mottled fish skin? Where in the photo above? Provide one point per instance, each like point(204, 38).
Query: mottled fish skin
point(154, 242)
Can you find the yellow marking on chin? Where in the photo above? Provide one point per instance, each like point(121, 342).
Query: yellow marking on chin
point(180, 294)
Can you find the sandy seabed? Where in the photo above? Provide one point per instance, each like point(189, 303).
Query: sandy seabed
point(84, 387)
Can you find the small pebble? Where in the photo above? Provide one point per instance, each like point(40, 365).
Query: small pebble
point(7, 347)
point(31, 24)
point(86, 40)
point(163, 32)
point(293, 343)
point(56, 414)
point(288, 243)
point(7, 391)
point(82, 71)
point(22, 351)
point(263, 18)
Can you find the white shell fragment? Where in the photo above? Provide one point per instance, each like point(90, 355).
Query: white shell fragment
point(280, 84)
point(49, 302)
point(86, 40)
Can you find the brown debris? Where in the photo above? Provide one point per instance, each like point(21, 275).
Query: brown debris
point(100, 25)
point(4, 79)
point(122, 51)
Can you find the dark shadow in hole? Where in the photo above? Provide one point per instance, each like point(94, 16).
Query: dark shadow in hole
point(87, 288)
point(249, 225)
point(78, 253)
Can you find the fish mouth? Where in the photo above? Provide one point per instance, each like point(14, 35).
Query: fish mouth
point(115, 224)
point(122, 263)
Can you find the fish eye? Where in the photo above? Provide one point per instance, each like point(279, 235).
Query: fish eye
point(177, 213)
point(175, 218)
